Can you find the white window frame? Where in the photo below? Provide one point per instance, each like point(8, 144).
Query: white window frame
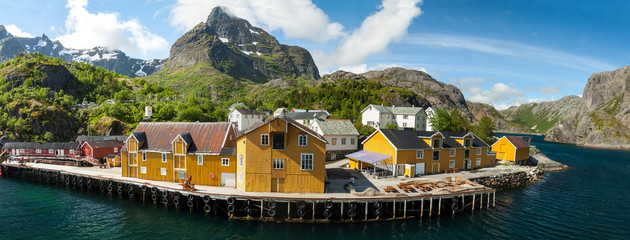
point(240, 177)
point(419, 154)
point(38, 150)
point(51, 151)
point(353, 141)
point(451, 164)
point(478, 162)
point(333, 141)
point(144, 156)
point(453, 152)
point(262, 138)
point(179, 175)
point(304, 161)
point(199, 159)
point(240, 160)
point(21, 150)
point(277, 163)
point(404, 125)
point(163, 171)
point(343, 141)
point(478, 151)
point(467, 142)
point(438, 143)
point(143, 170)
point(163, 157)
point(302, 140)
point(225, 162)
point(115, 149)
point(71, 151)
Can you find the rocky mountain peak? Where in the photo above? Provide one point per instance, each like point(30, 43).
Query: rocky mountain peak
point(230, 28)
point(3, 32)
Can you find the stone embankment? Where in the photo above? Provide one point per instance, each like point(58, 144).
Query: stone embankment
point(510, 180)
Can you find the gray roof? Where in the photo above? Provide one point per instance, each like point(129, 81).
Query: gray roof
point(307, 115)
point(248, 111)
point(409, 139)
point(228, 152)
point(83, 138)
point(397, 110)
point(337, 127)
point(405, 139)
point(34, 145)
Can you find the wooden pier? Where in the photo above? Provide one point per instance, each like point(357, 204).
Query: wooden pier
point(308, 208)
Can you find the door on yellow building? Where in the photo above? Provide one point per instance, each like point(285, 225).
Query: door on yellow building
point(435, 168)
point(276, 184)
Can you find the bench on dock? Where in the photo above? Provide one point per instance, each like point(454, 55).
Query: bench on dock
point(390, 189)
point(451, 170)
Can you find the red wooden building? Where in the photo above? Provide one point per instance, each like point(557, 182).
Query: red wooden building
point(100, 149)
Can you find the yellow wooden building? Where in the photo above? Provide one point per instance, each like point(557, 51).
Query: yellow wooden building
point(173, 151)
point(113, 160)
point(281, 155)
point(412, 153)
point(511, 148)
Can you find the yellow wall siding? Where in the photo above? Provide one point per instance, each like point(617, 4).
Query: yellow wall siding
point(505, 150)
point(379, 144)
point(241, 152)
point(211, 164)
point(154, 165)
point(521, 154)
point(258, 161)
point(132, 145)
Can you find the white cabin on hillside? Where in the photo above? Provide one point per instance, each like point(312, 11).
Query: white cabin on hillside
point(379, 117)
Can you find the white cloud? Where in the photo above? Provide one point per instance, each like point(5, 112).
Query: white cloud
point(500, 95)
point(87, 30)
point(295, 18)
point(513, 49)
point(17, 32)
point(390, 23)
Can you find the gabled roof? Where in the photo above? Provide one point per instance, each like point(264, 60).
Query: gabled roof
point(337, 127)
point(396, 110)
point(290, 121)
point(112, 155)
point(83, 138)
point(404, 139)
point(208, 137)
point(307, 115)
point(247, 111)
point(34, 145)
point(518, 142)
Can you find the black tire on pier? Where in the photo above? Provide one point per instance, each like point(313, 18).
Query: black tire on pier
point(154, 197)
point(301, 212)
point(378, 212)
point(378, 204)
point(190, 204)
point(206, 208)
point(271, 212)
point(271, 204)
point(328, 204)
point(206, 199)
point(164, 201)
point(143, 188)
point(352, 213)
point(248, 202)
point(231, 200)
point(154, 190)
point(231, 208)
point(176, 201)
point(165, 194)
point(301, 204)
point(353, 205)
point(454, 206)
point(328, 213)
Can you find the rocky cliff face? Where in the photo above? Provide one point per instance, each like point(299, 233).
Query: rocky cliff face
point(233, 47)
point(540, 117)
point(604, 113)
point(114, 60)
point(432, 92)
point(480, 110)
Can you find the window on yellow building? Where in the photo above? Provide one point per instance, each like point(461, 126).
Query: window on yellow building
point(466, 142)
point(478, 161)
point(436, 155)
point(467, 153)
point(163, 157)
point(144, 156)
point(264, 139)
point(419, 154)
point(240, 178)
point(307, 161)
point(451, 164)
point(199, 159)
point(478, 151)
point(240, 160)
point(143, 170)
point(225, 162)
point(302, 140)
point(436, 143)
point(277, 163)
point(163, 171)
point(453, 152)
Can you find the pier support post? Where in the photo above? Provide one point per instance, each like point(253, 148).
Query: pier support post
point(394, 203)
point(481, 202)
point(440, 206)
point(366, 211)
point(473, 206)
point(494, 198)
point(262, 208)
point(430, 206)
point(405, 209)
point(314, 210)
point(288, 209)
point(463, 202)
point(340, 216)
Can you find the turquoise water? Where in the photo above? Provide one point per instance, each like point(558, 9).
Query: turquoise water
point(590, 200)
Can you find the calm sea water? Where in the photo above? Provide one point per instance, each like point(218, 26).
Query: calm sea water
point(590, 200)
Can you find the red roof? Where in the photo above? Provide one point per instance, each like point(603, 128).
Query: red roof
point(206, 136)
point(518, 142)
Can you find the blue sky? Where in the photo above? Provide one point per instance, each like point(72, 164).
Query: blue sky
point(498, 52)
